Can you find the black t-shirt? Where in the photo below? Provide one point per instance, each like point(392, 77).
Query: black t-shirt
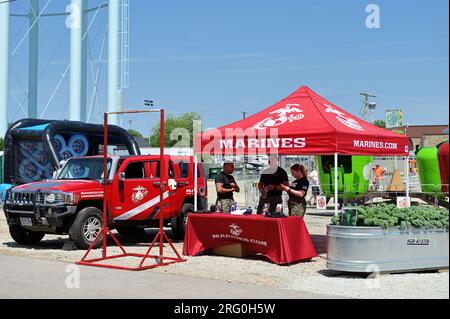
point(226, 181)
point(275, 179)
point(301, 184)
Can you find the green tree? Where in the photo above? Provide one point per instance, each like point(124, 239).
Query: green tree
point(380, 123)
point(1, 144)
point(178, 130)
point(135, 133)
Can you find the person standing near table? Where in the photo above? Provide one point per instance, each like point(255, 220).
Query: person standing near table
point(226, 186)
point(297, 191)
point(314, 182)
point(270, 185)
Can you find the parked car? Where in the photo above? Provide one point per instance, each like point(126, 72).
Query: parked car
point(73, 202)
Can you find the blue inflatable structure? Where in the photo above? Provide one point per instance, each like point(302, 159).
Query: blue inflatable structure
point(34, 148)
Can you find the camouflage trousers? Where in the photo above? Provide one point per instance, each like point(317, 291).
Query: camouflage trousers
point(272, 201)
point(297, 207)
point(225, 204)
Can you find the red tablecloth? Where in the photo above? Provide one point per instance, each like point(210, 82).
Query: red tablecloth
point(282, 240)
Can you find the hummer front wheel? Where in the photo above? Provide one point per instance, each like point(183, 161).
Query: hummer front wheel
point(86, 228)
point(23, 236)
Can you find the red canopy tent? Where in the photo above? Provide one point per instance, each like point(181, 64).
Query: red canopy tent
point(303, 123)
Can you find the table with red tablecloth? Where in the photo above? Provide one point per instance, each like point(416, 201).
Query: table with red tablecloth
point(282, 240)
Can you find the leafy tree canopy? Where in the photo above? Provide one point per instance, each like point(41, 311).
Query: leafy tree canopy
point(135, 133)
point(380, 123)
point(178, 130)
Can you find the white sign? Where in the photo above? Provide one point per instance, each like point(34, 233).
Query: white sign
point(394, 118)
point(403, 202)
point(321, 202)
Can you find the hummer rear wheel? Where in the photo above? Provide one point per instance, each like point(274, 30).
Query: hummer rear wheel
point(179, 223)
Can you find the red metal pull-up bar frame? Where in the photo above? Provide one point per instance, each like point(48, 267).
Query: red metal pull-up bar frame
point(161, 260)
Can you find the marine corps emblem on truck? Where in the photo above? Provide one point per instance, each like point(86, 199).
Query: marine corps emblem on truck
point(139, 193)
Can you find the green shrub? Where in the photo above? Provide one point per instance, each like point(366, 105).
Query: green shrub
point(386, 216)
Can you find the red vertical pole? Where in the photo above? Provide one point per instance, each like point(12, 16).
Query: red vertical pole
point(105, 181)
point(162, 180)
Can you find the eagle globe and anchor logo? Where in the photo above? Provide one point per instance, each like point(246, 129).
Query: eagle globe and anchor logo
point(235, 230)
point(139, 193)
point(343, 118)
point(288, 114)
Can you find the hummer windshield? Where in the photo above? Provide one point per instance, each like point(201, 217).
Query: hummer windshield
point(84, 168)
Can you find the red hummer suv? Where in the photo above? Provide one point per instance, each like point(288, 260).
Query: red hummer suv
point(72, 203)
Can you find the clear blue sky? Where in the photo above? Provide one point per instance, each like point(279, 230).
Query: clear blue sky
point(219, 58)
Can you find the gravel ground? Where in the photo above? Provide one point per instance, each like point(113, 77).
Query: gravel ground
point(310, 277)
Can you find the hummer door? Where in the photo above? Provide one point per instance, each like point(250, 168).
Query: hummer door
point(169, 187)
point(137, 195)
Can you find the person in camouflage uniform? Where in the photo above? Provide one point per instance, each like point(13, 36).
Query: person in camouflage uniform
point(226, 185)
point(297, 191)
point(273, 202)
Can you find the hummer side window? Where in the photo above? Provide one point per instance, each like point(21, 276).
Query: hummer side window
point(135, 171)
point(171, 170)
point(184, 169)
point(156, 170)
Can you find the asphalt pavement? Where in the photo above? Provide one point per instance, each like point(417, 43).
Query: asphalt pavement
point(24, 278)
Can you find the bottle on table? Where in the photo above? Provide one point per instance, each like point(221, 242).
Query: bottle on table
point(266, 209)
point(279, 210)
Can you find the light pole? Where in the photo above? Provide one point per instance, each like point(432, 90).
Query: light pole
point(368, 107)
point(149, 103)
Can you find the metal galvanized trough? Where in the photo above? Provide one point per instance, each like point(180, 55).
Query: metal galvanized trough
point(373, 249)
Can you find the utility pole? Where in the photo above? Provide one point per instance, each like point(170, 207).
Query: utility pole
point(368, 107)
